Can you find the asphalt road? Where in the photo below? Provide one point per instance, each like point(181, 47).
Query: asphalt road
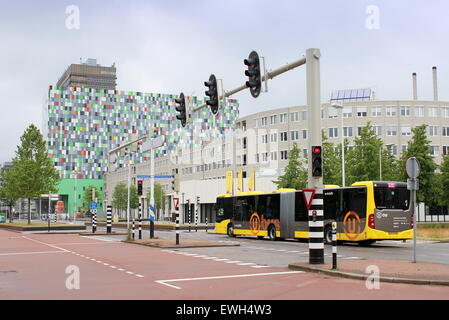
point(41, 266)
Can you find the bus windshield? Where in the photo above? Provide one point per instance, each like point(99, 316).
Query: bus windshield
point(391, 196)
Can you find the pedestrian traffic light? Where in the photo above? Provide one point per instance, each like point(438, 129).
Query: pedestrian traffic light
point(182, 116)
point(197, 199)
point(253, 73)
point(317, 170)
point(212, 93)
point(139, 187)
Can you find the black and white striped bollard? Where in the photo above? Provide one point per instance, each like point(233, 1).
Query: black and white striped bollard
point(109, 219)
point(196, 217)
point(134, 229)
point(316, 229)
point(334, 245)
point(206, 224)
point(140, 220)
point(177, 228)
point(94, 220)
point(189, 213)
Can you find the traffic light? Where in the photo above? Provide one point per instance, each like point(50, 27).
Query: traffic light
point(212, 93)
point(317, 169)
point(175, 183)
point(197, 199)
point(181, 109)
point(255, 82)
point(139, 188)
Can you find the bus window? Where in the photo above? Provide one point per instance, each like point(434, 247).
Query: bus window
point(224, 209)
point(388, 197)
point(332, 204)
point(244, 208)
point(301, 213)
point(354, 199)
point(273, 207)
point(261, 205)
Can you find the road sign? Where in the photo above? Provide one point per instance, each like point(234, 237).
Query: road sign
point(412, 167)
point(308, 195)
point(153, 143)
point(176, 203)
point(93, 205)
point(60, 206)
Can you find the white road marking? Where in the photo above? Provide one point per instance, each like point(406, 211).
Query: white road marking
point(260, 266)
point(246, 264)
point(50, 245)
point(165, 282)
point(233, 261)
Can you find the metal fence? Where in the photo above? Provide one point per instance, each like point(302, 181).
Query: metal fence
point(432, 214)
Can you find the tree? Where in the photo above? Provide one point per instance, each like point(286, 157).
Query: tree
point(444, 181)
point(8, 191)
point(87, 197)
point(159, 197)
point(32, 170)
point(389, 166)
point(419, 147)
point(363, 159)
point(295, 174)
point(331, 162)
point(120, 197)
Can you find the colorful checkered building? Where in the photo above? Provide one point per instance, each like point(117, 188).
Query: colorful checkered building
point(80, 125)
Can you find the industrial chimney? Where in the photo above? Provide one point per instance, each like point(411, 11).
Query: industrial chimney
point(435, 84)
point(415, 92)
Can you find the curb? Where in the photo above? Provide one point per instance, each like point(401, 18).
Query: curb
point(181, 245)
point(359, 276)
point(103, 234)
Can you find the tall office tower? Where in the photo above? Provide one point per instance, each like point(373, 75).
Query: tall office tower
point(88, 74)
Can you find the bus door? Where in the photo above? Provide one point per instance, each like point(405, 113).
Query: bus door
point(352, 218)
point(287, 215)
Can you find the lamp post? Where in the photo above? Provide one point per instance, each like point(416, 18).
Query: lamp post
point(340, 106)
point(74, 200)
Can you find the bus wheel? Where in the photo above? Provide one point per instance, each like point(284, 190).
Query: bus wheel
point(272, 233)
point(328, 235)
point(366, 243)
point(230, 231)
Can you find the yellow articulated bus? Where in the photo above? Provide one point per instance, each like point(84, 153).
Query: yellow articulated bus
point(365, 212)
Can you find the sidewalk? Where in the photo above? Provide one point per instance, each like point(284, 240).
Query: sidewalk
point(183, 243)
point(399, 271)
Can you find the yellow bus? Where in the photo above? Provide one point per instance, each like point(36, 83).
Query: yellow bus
point(366, 212)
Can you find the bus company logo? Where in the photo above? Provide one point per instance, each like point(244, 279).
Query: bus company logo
point(352, 225)
point(254, 223)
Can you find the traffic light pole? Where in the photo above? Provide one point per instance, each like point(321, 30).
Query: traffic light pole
point(152, 215)
point(316, 212)
point(267, 76)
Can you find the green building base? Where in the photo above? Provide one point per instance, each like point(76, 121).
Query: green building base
point(69, 189)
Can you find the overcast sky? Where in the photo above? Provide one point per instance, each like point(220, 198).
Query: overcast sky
point(172, 46)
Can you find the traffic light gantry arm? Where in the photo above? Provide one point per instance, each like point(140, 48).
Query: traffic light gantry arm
point(267, 76)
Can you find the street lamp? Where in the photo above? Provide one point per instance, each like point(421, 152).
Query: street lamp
point(74, 200)
point(340, 106)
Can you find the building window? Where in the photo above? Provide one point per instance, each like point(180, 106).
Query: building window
point(283, 118)
point(419, 111)
point(265, 138)
point(376, 111)
point(332, 113)
point(445, 150)
point(445, 112)
point(264, 121)
point(304, 134)
point(333, 132)
point(359, 131)
point(294, 135)
point(434, 150)
point(433, 112)
point(405, 111)
point(283, 136)
point(347, 112)
point(304, 153)
point(304, 115)
point(392, 131)
point(274, 156)
point(273, 137)
point(445, 131)
point(391, 111)
point(255, 123)
point(284, 155)
point(273, 119)
point(347, 131)
point(434, 131)
point(362, 111)
point(294, 116)
point(377, 130)
point(406, 130)
point(404, 148)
